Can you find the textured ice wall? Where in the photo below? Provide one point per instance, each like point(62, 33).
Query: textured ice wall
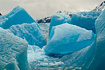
point(99, 59)
point(13, 52)
point(92, 57)
point(30, 32)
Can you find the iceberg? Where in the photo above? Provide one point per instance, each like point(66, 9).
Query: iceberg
point(99, 62)
point(70, 38)
point(13, 52)
point(85, 19)
point(30, 32)
point(17, 16)
point(67, 38)
point(91, 57)
point(82, 19)
point(58, 19)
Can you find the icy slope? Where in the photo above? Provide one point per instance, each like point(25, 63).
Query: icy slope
point(13, 52)
point(67, 38)
point(30, 32)
point(17, 16)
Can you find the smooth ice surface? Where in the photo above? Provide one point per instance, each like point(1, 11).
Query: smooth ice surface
point(30, 32)
point(67, 38)
point(85, 19)
point(13, 52)
point(17, 16)
point(58, 19)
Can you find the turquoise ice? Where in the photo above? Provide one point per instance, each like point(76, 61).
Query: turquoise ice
point(17, 16)
point(21, 38)
point(58, 19)
point(13, 52)
point(91, 57)
point(85, 19)
point(30, 32)
point(67, 38)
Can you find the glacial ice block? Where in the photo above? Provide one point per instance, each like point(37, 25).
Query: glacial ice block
point(30, 32)
point(13, 52)
point(92, 57)
point(17, 16)
point(58, 19)
point(67, 38)
point(99, 59)
point(85, 19)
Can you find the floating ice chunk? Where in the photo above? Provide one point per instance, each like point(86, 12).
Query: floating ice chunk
point(67, 38)
point(17, 16)
point(30, 32)
point(13, 52)
point(58, 19)
point(85, 19)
